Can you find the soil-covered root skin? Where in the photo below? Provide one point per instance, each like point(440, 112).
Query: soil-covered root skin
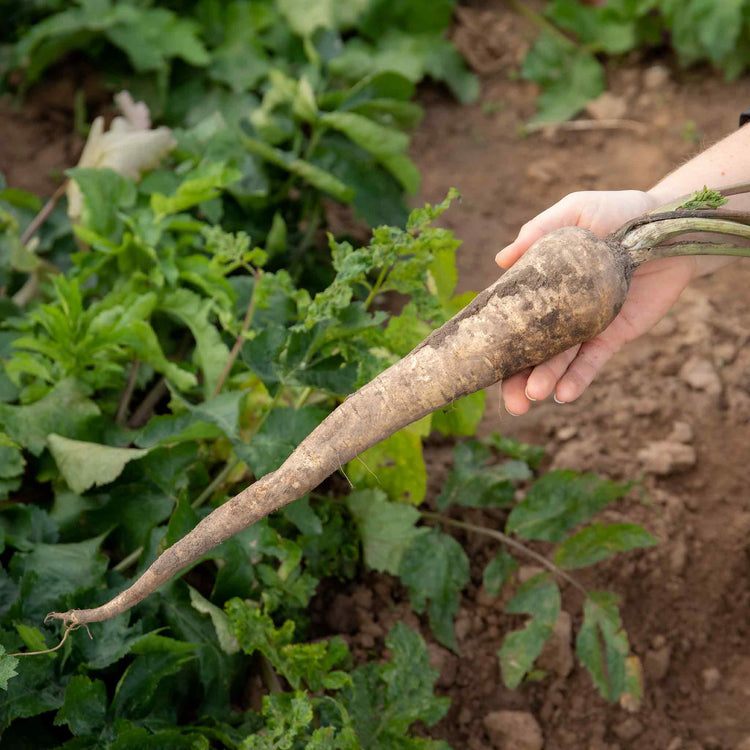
point(566, 289)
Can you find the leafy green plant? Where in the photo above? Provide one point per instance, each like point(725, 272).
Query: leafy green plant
point(554, 508)
point(167, 349)
point(566, 58)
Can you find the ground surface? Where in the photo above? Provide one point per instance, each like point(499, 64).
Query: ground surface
point(687, 601)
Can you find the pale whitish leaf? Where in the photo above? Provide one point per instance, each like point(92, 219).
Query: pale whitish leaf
point(84, 465)
point(387, 529)
point(225, 635)
point(130, 147)
point(540, 598)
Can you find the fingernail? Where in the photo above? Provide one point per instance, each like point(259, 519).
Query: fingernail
point(557, 400)
point(512, 413)
point(526, 393)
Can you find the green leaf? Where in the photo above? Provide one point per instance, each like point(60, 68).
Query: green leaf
point(211, 353)
point(202, 184)
point(284, 429)
point(314, 175)
point(12, 462)
point(435, 569)
point(52, 574)
point(559, 501)
point(394, 465)
point(498, 571)
point(207, 419)
point(85, 706)
point(288, 719)
point(540, 598)
point(533, 455)
point(309, 665)
point(703, 199)
point(84, 465)
point(471, 482)
point(226, 637)
point(158, 658)
point(387, 144)
point(385, 699)
point(462, 417)
point(387, 529)
point(600, 541)
point(602, 644)
point(65, 410)
point(570, 78)
point(105, 192)
point(7, 668)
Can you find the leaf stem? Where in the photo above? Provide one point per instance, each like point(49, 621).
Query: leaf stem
point(509, 542)
point(127, 394)
point(44, 213)
point(238, 342)
point(376, 287)
point(642, 238)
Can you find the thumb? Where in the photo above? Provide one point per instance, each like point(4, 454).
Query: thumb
point(564, 213)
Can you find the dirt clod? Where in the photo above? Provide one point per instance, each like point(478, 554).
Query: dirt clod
point(557, 656)
point(628, 729)
point(655, 77)
point(664, 457)
point(710, 677)
point(518, 730)
point(656, 663)
point(701, 375)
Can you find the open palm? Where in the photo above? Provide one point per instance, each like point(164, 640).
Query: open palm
point(655, 287)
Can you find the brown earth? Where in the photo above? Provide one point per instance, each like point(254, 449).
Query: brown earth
point(676, 401)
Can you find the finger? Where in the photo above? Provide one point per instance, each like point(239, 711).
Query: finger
point(543, 379)
point(513, 394)
point(564, 213)
point(591, 357)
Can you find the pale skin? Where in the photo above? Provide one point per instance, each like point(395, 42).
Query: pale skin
point(656, 285)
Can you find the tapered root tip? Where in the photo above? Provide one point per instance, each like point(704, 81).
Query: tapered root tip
point(69, 618)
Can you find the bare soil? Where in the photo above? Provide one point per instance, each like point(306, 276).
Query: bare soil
point(686, 603)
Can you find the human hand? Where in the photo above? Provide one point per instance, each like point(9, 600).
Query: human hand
point(655, 287)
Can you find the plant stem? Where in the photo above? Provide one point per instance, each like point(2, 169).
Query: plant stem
point(698, 248)
point(642, 238)
point(273, 683)
point(43, 215)
point(509, 542)
point(127, 394)
point(144, 411)
point(376, 287)
point(216, 482)
point(238, 343)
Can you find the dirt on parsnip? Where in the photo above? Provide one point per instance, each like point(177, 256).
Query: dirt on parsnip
point(672, 409)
